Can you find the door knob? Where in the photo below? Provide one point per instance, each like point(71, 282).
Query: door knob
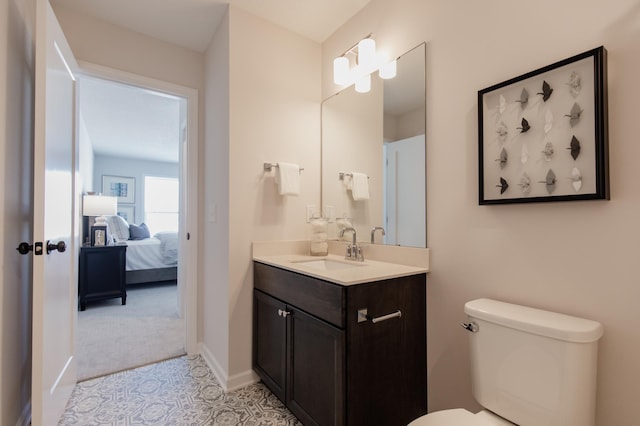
point(24, 248)
point(61, 246)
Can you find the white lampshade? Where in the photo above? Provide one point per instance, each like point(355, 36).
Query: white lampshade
point(99, 205)
point(363, 83)
point(367, 54)
point(388, 70)
point(341, 71)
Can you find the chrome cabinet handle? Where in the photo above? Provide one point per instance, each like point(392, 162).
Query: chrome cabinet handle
point(283, 313)
point(396, 314)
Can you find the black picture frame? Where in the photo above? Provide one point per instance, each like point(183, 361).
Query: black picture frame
point(543, 136)
point(99, 236)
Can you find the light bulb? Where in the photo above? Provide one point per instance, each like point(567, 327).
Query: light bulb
point(367, 54)
point(363, 83)
point(341, 70)
point(388, 70)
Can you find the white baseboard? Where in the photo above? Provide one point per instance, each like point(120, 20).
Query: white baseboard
point(228, 383)
point(241, 380)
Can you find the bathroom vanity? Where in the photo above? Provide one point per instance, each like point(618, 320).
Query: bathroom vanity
point(342, 346)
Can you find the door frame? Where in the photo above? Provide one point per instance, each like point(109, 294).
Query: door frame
point(188, 250)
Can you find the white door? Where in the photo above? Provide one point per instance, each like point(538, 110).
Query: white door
point(54, 273)
point(405, 192)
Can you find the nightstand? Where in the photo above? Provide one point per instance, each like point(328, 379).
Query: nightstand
point(102, 274)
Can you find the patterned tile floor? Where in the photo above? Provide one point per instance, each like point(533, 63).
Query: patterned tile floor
point(177, 392)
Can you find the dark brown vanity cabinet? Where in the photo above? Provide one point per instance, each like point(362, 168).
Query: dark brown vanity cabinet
point(333, 366)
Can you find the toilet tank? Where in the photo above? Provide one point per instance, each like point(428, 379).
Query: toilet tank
point(533, 367)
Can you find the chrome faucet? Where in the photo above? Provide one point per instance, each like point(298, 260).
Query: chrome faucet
point(354, 251)
point(373, 233)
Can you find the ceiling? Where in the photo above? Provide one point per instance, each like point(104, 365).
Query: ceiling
point(129, 122)
point(192, 23)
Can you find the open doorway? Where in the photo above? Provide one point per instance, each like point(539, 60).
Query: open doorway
point(135, 137)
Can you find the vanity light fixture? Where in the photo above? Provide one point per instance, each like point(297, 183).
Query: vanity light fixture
point(366, 61)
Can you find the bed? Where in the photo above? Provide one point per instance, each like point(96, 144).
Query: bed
point(149, 258)
point(152, 259)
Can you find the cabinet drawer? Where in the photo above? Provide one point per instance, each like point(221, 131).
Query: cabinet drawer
point(320, 298)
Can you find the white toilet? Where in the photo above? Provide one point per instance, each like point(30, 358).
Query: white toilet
point(528, 367)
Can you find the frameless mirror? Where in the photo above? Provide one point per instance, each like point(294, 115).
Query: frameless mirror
point(380, 134)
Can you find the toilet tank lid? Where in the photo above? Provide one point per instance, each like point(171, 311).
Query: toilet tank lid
point(536, 321)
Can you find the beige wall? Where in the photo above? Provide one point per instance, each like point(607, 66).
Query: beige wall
point(101, 43)
point(573, 257)
point(261, 86)
point(214, 269)
point(17, 19)
point(274, 116)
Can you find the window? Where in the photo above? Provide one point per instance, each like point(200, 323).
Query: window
point(161, 204)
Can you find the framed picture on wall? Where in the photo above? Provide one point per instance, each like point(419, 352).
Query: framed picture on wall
point(120, 186)
point(127, 212)
point(543, 136)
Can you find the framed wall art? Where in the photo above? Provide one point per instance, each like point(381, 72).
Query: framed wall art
point(119, 186)
point(543, 135)
point(127, 212)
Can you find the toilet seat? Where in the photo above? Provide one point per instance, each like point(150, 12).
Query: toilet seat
point(459, 417)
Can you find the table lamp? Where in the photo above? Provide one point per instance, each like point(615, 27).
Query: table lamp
point(99, 206)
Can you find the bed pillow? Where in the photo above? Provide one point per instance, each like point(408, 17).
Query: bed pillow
point(118, 227)
point(139, 232)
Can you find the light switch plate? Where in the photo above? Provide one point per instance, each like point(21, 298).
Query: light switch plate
point(330, 213)
point(311, 209)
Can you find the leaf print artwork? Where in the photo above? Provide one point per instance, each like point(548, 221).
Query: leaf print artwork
point(574, 115)
point(576, 177)
point(502, 131)
point(503, 185)
point(525, 183)
point(524, 98)
point(546, 91)
point(503, 158)
point(548, 151)
point(575, 84)
point(574, 147)
point(525, 126)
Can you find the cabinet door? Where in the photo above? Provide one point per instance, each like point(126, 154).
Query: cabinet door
point(387, 360)
point(269, 342)
point(315, 391)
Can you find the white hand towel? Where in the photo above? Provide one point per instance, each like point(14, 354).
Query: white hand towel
point(360, 186)
point(288, 178)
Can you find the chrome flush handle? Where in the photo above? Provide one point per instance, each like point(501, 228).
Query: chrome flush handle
point(470, 326)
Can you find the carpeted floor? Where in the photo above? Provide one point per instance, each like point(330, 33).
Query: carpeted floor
point(112, 337)
point(180, 391)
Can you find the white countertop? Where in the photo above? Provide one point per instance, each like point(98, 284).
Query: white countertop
point(361, 272)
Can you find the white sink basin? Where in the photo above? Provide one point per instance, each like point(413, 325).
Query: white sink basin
point(329, 264)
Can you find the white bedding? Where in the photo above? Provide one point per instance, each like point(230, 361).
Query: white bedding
point(152, 253)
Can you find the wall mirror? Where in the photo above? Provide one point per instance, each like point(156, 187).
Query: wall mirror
point(381, 134)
